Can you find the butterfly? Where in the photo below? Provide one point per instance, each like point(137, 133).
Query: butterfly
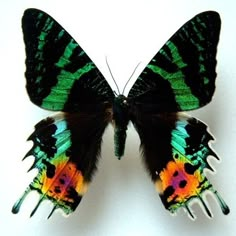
point(175, 146)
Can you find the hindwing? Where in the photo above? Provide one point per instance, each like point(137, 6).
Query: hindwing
point(66, 148)
point(175, 150)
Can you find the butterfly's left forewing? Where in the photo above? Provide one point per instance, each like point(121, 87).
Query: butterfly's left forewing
point(181, 76)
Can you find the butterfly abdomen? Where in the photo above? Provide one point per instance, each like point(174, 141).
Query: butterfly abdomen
point(121, 120)
point(119, 140)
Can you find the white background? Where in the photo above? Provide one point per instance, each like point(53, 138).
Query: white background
point(121, 200)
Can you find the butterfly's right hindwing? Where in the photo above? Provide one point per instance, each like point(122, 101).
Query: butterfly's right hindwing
point(66, 148)
point(60, 76)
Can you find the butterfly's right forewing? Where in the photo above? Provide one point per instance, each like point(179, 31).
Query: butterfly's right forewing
point(59, 74)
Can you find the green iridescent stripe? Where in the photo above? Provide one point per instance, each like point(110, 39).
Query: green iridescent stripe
point(65, 58)
point(176, 79)
point(60, 92)
point(65, 79)
point(45, 30)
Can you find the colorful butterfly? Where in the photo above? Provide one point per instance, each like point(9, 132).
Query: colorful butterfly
point(61, 77)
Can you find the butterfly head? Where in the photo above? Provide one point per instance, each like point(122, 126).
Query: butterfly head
point(121, 101)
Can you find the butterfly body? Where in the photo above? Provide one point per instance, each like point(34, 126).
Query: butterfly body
point(121, 118)
point(61, 77)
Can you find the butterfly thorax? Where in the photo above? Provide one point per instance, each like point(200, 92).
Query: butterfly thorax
point(120, 120)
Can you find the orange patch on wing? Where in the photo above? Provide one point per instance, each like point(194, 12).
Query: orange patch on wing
point(184, 185)
point(65, 178)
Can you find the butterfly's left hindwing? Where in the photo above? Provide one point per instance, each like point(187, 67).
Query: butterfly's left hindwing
point(59, 74)
point(66, 148)
point(175, 150)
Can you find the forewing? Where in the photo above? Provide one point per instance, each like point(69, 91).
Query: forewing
point(59, 74)
point(181, 76)
point(175, 150)
point(66, 148)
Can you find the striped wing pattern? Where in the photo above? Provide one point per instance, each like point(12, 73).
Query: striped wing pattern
point(60, 76)
point(181, 76)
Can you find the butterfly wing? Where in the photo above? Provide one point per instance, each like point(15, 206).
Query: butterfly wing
point(59, 74)
point(61, 77)
point(66, 148)
point(181, 76)
point(175, 150)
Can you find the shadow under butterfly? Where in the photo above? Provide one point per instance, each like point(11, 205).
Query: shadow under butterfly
point(61, 77)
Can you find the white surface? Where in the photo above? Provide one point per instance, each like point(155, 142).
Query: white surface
point(121, 200)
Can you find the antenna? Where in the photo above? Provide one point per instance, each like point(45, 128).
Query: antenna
point(130, 77)
point(112, 76)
